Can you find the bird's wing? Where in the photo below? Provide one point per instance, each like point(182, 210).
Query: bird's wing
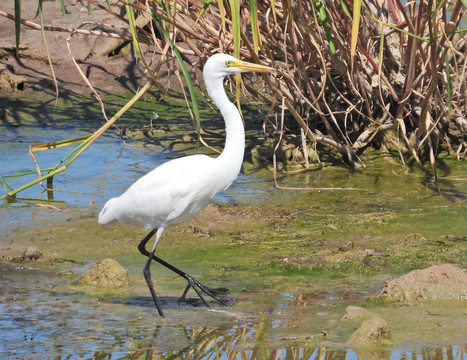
point(171, 193)
point(176, 176)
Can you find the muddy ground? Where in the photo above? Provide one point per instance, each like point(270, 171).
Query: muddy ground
point(110, 66)
point(327, 261)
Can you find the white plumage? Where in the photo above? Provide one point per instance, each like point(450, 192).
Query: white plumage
point(170, 194)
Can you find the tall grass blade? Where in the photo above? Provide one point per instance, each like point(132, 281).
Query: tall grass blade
point(62, 5)
point(220, 4)
point(323, 18)
point(346, 10)
point(205, 6)
point(235, 9)
point(5, 185)
point(17, 25)
point(75, 153)
point(448, 80)
point(182, 66)
point(134, 34)
point(44, 40)
point(235, 15)
point(273, 10)
point(254, 25)
point(58, 144)
point(357, 5)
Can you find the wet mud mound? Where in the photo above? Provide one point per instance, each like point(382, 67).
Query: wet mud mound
point(438, 282)
point(105, 273)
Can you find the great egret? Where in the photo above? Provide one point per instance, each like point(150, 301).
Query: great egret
point(176, 190)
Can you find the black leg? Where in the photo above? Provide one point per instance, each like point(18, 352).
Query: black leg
point(192, 282)
point(142, 244)
point(147, 269)
point(147, 276)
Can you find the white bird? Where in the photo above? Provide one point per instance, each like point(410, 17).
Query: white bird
point(178, 189)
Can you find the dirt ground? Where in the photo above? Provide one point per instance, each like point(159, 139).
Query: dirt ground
point(110, 66)
point(252, 246)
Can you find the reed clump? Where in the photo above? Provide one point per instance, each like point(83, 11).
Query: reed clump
point(351, 74)
point(396, 81)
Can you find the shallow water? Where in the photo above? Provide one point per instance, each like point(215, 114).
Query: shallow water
point(43, 316)
point(107, 168)
point(42, 319)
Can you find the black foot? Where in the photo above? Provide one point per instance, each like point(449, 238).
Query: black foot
point(200, 289)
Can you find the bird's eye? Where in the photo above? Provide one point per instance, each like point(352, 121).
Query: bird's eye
point(228, 63)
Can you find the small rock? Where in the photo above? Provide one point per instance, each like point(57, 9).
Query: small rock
point(32, 253)
point(374, 331)
point(105, 273)
point(438, 282)
point(10, 81)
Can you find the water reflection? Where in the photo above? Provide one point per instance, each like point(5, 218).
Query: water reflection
point(304, 353)
point(40, 318)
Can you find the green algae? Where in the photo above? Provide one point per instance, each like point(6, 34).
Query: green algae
point(260, 246)
point(359, 232)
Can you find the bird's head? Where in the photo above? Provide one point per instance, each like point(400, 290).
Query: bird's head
point(221, 65)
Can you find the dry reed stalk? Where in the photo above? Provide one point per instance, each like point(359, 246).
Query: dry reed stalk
point(404, 88)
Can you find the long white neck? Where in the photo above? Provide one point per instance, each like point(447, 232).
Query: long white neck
point(231, 159)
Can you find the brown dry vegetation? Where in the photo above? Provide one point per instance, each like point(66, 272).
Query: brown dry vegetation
point(402, 91)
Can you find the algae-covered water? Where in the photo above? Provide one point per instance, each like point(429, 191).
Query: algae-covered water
point(293, 260)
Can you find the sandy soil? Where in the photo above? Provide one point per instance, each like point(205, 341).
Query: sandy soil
point(108, 72)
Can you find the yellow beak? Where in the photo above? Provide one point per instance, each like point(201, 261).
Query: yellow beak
point(246, 66)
